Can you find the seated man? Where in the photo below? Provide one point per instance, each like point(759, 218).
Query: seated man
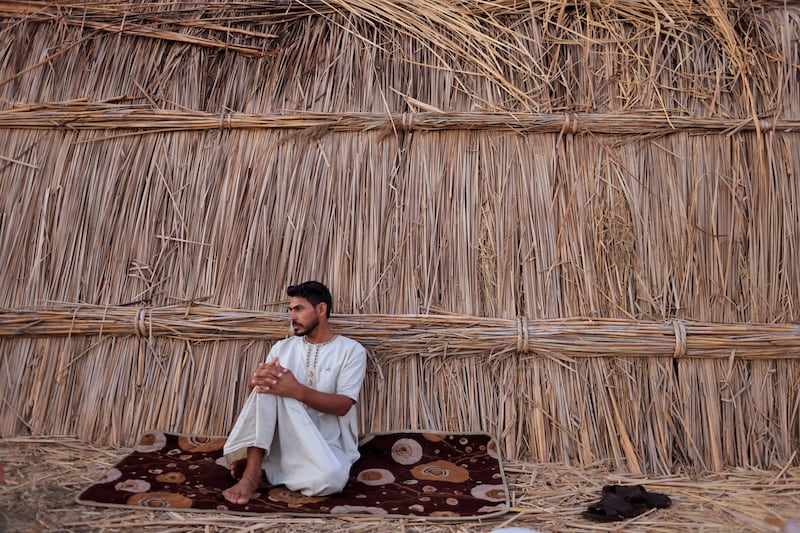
point(299, 423)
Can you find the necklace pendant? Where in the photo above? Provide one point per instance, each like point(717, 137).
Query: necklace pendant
point(311, 364)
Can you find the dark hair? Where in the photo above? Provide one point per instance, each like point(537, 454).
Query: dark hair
point(313, 291)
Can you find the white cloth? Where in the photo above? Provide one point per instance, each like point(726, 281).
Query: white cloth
point(308, 451)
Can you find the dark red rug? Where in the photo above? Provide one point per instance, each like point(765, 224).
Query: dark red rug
point(406, 474)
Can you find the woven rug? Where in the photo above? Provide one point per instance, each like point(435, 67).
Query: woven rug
point(432, 475)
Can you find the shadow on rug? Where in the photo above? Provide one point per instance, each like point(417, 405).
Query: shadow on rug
point(431, 475)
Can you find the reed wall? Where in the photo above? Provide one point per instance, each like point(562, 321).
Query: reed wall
point(480, 161)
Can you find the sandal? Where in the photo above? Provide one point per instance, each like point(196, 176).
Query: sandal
point(621, 502)
point(612, 508)
point(638, 494)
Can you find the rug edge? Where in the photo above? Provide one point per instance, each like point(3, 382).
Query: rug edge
point(504, 477)
point(495, 514)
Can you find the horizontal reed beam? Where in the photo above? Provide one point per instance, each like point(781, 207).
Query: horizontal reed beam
point(420, 334)
point(109, 116)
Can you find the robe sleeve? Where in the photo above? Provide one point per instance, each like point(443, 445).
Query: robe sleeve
point(352, 371)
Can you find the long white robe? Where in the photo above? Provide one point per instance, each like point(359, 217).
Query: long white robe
point(308, 451)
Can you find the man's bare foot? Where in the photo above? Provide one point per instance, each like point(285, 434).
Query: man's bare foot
point(243, 490)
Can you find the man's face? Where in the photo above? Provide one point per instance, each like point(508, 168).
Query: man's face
point(303, 316)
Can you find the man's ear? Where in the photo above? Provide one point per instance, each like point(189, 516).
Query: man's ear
point(322, 309)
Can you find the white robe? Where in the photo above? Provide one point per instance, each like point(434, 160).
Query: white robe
point(306, 450)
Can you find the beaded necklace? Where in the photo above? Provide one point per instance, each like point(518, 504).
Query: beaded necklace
point(311, 365)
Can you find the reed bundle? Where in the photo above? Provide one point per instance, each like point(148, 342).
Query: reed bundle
point(403, 335)
point(573, 225)
point(105, 116)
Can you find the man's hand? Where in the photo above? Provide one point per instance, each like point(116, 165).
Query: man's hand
point(272, 378)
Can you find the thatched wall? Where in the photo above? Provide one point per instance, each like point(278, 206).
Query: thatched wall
point(519, 163)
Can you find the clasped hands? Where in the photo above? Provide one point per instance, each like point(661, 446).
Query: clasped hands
point(272, 378)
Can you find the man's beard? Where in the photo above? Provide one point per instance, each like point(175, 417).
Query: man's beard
point(306, 330)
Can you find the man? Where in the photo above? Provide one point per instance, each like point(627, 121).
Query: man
point(299, 424)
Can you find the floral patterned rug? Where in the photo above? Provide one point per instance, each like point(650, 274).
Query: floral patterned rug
point(431, 475)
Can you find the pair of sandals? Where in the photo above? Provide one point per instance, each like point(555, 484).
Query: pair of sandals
point(621, 502)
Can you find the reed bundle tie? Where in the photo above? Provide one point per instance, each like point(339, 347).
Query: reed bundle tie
point(680, 338)
point(407, 121)
point(141, 322)
point(570, 124)
point(523, 338)
point(225, 121)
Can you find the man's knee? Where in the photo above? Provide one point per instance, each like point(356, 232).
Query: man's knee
point(339, 479)
point(331, 483)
